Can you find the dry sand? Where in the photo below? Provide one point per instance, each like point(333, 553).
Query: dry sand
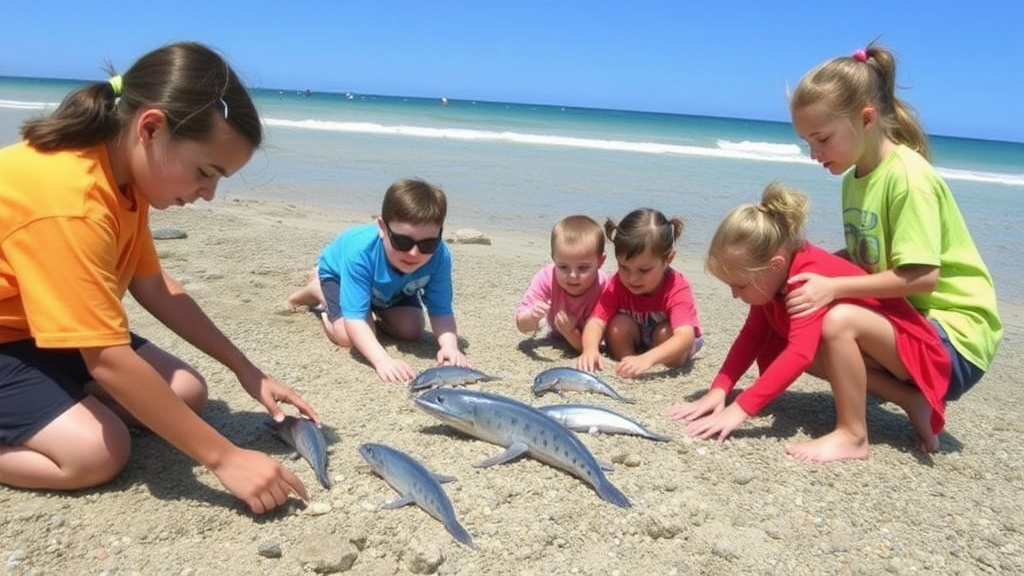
point(698, 508)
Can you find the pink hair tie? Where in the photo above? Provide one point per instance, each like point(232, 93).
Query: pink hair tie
point(860, 55)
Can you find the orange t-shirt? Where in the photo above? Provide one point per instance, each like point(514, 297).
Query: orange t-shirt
point(70, 242)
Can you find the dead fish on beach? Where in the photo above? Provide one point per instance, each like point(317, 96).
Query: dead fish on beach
point(561, 379)
point(304, 436)
point(447, 377)
point(593, 419)
point(522, 429)
point(415, 484)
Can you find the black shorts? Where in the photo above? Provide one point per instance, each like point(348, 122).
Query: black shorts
point(332, 296)
point(39, 384)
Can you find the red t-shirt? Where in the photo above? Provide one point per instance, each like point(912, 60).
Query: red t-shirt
point(784, 347)
point(673, 300)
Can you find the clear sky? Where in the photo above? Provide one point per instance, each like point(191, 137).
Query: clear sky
point(961, 62)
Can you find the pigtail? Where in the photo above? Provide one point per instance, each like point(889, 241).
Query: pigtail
point(610, 230)
point(677, 227)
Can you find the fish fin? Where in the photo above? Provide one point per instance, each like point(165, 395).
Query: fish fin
point(660, 437)
point(403, 501)
point(441, 478)
point(295, 456)
point(593, 430)
point(459, 533)
point(610, 493)
point(627, 400)
point(514, 451)
point(606, 466)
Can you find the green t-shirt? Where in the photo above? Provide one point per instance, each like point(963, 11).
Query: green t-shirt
point(903, 213)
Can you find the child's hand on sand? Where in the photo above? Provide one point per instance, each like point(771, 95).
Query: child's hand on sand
point(719, 424)
point(394, 370)
point(712, 402)
point(453, 357)
point(590, 361)
point(257, 479)
point(632, 366)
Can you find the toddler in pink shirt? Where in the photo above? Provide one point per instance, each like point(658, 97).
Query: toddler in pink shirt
point(566, 290)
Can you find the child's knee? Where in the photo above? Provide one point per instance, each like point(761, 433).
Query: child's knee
point(190, 386)
point(838, 323)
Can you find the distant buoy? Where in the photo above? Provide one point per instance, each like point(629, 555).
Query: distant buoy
point(444, 101)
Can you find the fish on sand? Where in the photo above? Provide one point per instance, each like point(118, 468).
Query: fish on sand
point(306, 438)
point(447, 376)
point(522, 429)
point(415, 484)
point(593, 419)
point(562, 378)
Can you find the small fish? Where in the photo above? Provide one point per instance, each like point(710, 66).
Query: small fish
point(304, 436)
point(521, 429)
point(588, 418)
point(414, 483)
point(447, 377)
point(561, 379)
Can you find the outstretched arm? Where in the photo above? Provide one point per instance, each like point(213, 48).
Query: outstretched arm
point(260, 481)
point(168, 302)
point(813, 291)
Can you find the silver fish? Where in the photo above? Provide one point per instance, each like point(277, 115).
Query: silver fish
point(588, 418)
point(414, 483)
point(304, 436)
point(522, 429)
point(447, 376)
point(561, 379)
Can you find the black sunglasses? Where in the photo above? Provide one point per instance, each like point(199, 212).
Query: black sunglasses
point(404, 243)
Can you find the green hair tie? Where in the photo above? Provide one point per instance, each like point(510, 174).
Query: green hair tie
point(115, 84)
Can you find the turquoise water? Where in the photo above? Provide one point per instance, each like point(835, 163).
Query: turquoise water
point(521, 166)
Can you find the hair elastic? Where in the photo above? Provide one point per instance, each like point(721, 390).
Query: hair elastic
point(860, 55)
point(116, 84)
point(224, 105)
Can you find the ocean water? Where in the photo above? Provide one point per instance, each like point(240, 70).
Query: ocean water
point(522, 166)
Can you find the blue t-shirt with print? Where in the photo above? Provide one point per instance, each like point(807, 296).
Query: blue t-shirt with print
point(357, 260)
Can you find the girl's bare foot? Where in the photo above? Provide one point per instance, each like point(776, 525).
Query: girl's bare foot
point(919, 411)
point(833, 447)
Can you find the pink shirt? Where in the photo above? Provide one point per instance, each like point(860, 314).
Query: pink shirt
point(544, 288)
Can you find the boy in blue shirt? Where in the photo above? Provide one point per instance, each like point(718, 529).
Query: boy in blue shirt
point(378, 276)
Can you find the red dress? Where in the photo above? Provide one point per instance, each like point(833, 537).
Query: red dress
point(785, 347)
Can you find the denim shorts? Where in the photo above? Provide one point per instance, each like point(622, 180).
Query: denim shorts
point(963, 374)
point(39, 384)
point(332, 297)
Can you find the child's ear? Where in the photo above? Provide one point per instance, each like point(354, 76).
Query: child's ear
point(777, 262)
point(671, 256)
point(868, 117)
point(380, 227)
point(150, 121)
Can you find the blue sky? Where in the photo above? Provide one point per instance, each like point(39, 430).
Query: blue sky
point(961, 62)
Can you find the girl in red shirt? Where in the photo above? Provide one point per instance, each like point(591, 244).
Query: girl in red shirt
point(755, 249)
point(646, 312)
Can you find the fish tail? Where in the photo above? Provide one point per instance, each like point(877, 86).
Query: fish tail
point(610, 493)
point(324, 479)
point(459, 533)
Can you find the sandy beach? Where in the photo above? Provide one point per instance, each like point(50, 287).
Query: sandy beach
point(698, 507)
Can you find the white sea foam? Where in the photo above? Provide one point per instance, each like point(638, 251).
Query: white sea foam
point(763, 151)
point(20, 105)
point(977, 176)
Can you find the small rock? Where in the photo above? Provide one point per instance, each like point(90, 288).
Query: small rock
point(327, 555)
point(627, 459)
point(317, 509)
point(269, 549)
point(423, 558)
point(469, 236)
point(169, 234)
